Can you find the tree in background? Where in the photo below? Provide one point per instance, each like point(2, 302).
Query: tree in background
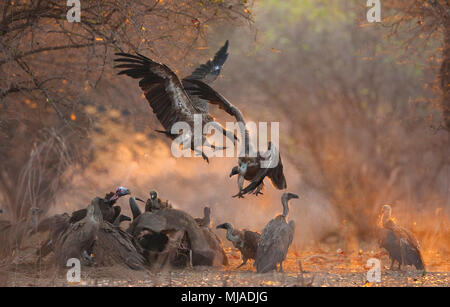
point(425, 20)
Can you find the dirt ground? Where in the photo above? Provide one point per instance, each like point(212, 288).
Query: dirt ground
point(322, 269)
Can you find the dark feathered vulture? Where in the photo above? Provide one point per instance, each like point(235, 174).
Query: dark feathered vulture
point(275, 240)
point(155, 203)
point(106, 204)
point(251, 169)
point(173, 100)
point(400, 243)
point(97, 241)
point(252, 166)
point(207, 73)
point(245, 241)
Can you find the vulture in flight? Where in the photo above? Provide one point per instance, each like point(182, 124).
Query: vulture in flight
point(275, 239)
point(245, 241)
point(152, 204)
point(176, 101)
point(109, 211)
point(253, 167)
point(400, 243)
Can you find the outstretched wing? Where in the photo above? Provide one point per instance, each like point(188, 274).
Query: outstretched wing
point(161, 87)
point(209, 71)
point(204, 91)
point(272, 168)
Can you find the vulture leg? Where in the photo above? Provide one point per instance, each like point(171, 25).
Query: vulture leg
point(240, 186)
point(281, 267)
point(258, 190)
point(392, 264)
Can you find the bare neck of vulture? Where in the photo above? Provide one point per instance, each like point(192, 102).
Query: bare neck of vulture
point(230, 235)
point(386, 219)
point(284, 201)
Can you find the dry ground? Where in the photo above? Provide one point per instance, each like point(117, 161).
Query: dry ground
point(319, 269)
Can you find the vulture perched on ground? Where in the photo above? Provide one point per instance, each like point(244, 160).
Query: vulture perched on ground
point(400, 243)
point(173, 236)
point(95, 241)
point(275, 240)
point(176, 101)
point(204, 221)
point(59, 223)
point(106, 204)
point(245, 241)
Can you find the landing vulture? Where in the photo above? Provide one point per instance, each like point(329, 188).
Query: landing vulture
point(252, 166)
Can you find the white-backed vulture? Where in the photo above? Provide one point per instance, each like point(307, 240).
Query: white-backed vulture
point(275, 240)
point(245, 241)
point(400, 243)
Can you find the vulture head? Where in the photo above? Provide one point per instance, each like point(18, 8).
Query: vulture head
point(121, 191)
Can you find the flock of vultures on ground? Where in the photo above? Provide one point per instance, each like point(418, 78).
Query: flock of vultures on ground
point(159, 235)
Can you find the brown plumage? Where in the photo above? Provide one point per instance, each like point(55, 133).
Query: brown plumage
point(168, 98)
point(275, 240)
point(94, 236)
point(400, 243)
point(251, 169)
point(245, 241)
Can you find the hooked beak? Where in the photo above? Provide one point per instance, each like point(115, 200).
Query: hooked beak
point(221, 226)
point(292, 195)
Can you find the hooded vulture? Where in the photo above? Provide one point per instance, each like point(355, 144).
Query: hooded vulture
point(400, 243)
point(275, 240)
point(106, 204)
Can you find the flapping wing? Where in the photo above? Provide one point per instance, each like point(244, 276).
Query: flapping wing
point(272, 168)
point(161, 87)
point(209, 71)
point(204, 91)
